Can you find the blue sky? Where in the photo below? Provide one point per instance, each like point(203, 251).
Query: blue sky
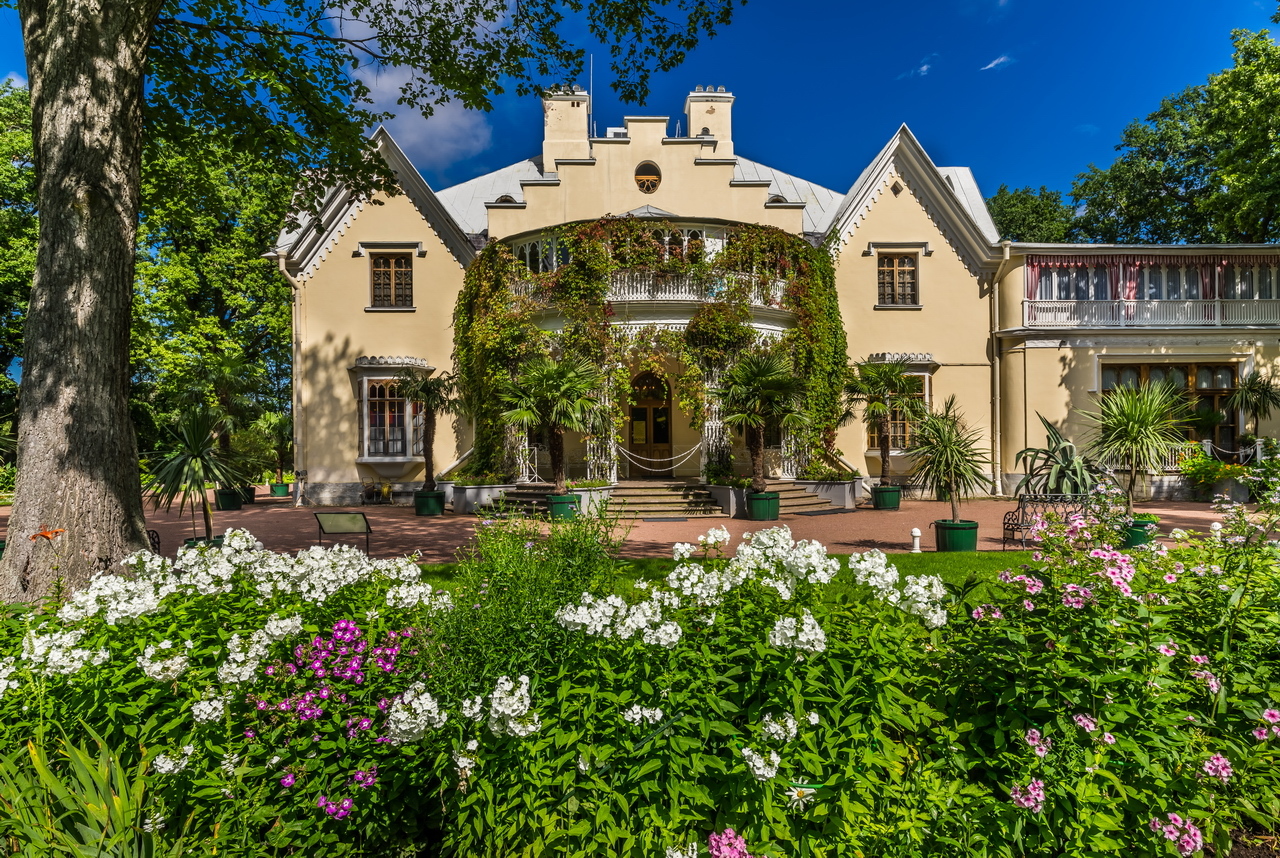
point(1026, 92)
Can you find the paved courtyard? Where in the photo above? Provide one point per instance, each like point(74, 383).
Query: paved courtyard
point(397, 531)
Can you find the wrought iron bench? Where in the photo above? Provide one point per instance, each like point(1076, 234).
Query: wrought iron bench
point(1018, 522)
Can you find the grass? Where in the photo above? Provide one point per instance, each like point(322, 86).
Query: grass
point(970, 571)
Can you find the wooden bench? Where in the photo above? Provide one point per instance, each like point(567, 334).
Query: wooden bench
point(338, 523)
point(1018, 522)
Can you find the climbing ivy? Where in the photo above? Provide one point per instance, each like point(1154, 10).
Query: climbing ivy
point(496, 321)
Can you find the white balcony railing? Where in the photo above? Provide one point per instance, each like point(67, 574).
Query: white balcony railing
point(1172, 459)
point(1161, 314)
point(635, 285)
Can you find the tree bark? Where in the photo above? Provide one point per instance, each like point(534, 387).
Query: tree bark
point(77, 455)
point(555, 446)
point(755, 447)
point(882, 435)
point(428, 450)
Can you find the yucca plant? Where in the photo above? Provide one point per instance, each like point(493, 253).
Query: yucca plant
point(761, 392)
point(1138, 426)
point(79, 803)
point(434, 394)
point(193, 460)
point(1055, 469)
point(947, 456)
point(554, 397)
point(881, 391)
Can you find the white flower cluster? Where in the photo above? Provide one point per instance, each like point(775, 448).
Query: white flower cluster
point(666, 635)
point(639, 715)
point(707, 586)
point(171, 765)
point(921, 595)
point(509, 709)
point(7, 668)
point(473, 708)
point(162, 669)
point(763, 769)
point(613, 617)
point(119, 599)
point(413, 715)
point(464, 763)
point(780, 729)
point(56, 653)
point(690, 851)
point(804, 635)
point(243, 658)
point(715, 537)
point(210, 708)
point(682, 551)
point(780, 562)
point(413, 595)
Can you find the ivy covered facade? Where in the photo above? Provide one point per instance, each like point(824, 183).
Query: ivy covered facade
point(662, 257)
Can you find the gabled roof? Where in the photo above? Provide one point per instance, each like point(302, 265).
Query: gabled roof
point(650, 211)
point(307, 244)
point(949, 195)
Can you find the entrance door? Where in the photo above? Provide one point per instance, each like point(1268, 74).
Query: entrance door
point(649, 429)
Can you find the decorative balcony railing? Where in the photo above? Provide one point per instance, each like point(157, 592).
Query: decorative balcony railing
point(1172, 459)
point(640, 285)
point(1161, 314)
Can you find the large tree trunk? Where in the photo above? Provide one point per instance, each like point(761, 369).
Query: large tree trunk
point(77, 457)
point(755, 448)
point(555, 446)
point(882, 435)
point(428, 450)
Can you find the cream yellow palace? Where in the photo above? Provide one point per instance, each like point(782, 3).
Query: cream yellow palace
point(1011, 329)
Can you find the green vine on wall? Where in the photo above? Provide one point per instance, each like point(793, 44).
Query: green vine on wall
point(496, 321)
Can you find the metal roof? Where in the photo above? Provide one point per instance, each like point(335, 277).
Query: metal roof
point(965, 187)
point(821, 203)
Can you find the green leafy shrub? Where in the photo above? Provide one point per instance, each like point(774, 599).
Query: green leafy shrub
point(1202, 471)
point(8, 477)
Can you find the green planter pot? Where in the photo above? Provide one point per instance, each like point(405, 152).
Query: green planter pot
point(2, 547)
point(226, 499)
point(762, 506)
point(956, 535)
point(886, 497)
point(193, 541)
point(428, 503)
point(248, 494)
point(1137, 534)
point(280, 490)
point(562, 506)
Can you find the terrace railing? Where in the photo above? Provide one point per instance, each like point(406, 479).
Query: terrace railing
point(1160, 314)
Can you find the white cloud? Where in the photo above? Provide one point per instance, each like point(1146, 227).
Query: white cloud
point(1002, 60)
point(15, 79)
point(920, 70)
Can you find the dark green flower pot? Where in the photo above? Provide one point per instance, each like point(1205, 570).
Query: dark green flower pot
point(428, 503)
point(280, 490)
point(762, 506)
point(196, 540)
point(956, 535)
point(2, 547)
point(886, 497)
point(227, 499)
point(248, 494)
point(1137, 534)
point(562, 506)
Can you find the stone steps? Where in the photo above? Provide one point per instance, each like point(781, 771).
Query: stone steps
point(656, 500)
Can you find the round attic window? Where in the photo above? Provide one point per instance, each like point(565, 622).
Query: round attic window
point(648, 177)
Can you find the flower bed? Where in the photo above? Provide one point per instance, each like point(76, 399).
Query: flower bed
point(1093, 702)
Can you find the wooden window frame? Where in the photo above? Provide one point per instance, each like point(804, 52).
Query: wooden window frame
point(410, 414)
point(900, 429)
point(1216, 395)
point(897, 289)
point(400, 295)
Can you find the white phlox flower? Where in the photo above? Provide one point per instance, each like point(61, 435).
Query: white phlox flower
point(689, 851)
point(413, 715)
point(165, 764)
point(923, 596)
point(121, 600)
point(763, 769)
point(803, 635)
point(813, 718)
point(229, 764)
point(413, 595)
point(682, 551)
point(473, 708)
point(666, 635)
point(161, 662)
point(56, 653)
point(210, 708)
point(642, 716)
point(714, 538)
point(7, 668)
point(781, 728)
point(243, 659)
point(510, 712)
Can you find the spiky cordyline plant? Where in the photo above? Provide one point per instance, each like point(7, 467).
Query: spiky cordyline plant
point(881, 390)
point(554, 397)
point(435, 394)
point(760, 392)
point(1138, 426)
point(1256, 395)
point(947, 456)
point(194, 459)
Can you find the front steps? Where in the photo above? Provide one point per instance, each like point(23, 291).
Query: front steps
point(656, 499)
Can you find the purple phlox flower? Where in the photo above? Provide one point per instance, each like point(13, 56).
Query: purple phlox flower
point(365, 779)
point(288, 780)
point(1085, 722)
point(728, 844)
point(249, 734)
point(1218, 767)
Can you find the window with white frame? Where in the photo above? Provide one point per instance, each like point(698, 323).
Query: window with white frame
point(1074, 283)
point(1241, 281)
point(392, 424)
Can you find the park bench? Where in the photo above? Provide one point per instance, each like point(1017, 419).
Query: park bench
point(1018, 522)
point(339, 523)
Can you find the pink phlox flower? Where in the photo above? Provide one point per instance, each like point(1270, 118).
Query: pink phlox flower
point(1169, 649)
point(1209, 680)
point(1218, 767)
point(1033, 585)
point(1271, 716)
point(1031, 797)
point(288, 780)
point(1170, 578)
point(1200, 659)
point(728, 844)
point(1182, 833)
point(1032, 737)
point(1085, 722)
point(1108, 738)
point(1028, 604)
point(1260, 734)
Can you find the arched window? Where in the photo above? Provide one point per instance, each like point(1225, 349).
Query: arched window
point(648, 177)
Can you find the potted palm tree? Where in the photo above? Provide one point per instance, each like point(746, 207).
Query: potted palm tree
point(1139, 427)
point(759, 393)
point(193, 459)
point(884, 391)
point(277, 429)
point(1256, 395)
point(434, 394)
point(948, 458)
point(554, 397)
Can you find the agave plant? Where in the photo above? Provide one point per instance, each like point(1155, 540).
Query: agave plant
point(1055, 469)
point(947, 456)
point(193, 460)
point(1138, 426)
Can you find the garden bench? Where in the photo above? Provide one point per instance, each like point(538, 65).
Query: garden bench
point(338, 523)
point(153, 538)
point(1018, 522)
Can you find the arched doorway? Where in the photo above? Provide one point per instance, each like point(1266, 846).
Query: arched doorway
point(649, 428)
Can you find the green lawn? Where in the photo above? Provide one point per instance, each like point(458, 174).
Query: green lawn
point(956, 569)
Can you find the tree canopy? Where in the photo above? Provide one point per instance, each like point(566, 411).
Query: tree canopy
point(1030, 215)
point(18, 229)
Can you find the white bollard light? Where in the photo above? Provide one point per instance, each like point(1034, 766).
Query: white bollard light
point(915, 540)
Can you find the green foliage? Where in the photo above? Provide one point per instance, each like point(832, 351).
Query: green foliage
point(1199, 169)
point(8, 477)
point(1137, 426)
point(18, 229)
point(1056, 469)
point(1029, 215)
point(277, 429)
point(759, 393)
point(881, 390)
point(824, 472)
point(554, 397)
point(1255, 394)
point(1203, 471)
point(191, 461)
point(434, 395)
point(946, 456)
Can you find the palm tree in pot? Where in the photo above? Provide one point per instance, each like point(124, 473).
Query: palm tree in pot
point(194, 459)
point(554, 397)
point(1138, 426)
point(434, 395)
point(947, 457)
point(884, 392)
point(277, 428)
point(761, 392)
point(1256, 395)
